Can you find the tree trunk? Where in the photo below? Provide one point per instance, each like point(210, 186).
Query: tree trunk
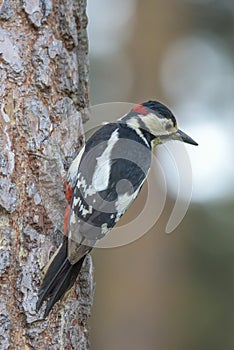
point(44, 86)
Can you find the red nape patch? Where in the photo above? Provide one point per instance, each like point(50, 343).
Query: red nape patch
point(140, 109)
point(66, 217)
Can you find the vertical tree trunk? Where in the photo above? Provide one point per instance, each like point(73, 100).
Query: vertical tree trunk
point(44, 85)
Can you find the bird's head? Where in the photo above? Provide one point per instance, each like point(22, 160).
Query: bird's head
point(155, 118)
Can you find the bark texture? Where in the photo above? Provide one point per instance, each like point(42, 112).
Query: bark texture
point(44, 87)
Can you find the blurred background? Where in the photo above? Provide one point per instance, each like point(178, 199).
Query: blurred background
point(169, 292)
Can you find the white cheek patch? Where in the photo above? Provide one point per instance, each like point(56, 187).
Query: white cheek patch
point(156, 125)
point(103, 168)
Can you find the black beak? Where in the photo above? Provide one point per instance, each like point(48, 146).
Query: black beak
point(181, 136)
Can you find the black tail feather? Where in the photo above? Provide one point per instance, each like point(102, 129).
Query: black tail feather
point(66, 282)
point(59, 278)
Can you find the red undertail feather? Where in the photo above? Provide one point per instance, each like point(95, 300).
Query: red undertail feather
point(68, 194)
point(66, 218)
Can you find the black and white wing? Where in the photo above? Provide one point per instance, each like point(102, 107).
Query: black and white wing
point(112, 170)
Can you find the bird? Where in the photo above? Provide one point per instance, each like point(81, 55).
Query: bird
point(102, 182)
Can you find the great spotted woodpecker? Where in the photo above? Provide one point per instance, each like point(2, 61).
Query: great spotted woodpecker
point(102, 182)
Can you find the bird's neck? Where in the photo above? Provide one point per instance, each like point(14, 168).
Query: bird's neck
point(139, 124)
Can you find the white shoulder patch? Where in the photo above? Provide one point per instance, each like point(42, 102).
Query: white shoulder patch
point(102, 171)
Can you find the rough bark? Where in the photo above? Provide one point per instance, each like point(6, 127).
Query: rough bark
point(44, 86)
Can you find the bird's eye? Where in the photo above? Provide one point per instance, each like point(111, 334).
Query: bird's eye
point(169, 126)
